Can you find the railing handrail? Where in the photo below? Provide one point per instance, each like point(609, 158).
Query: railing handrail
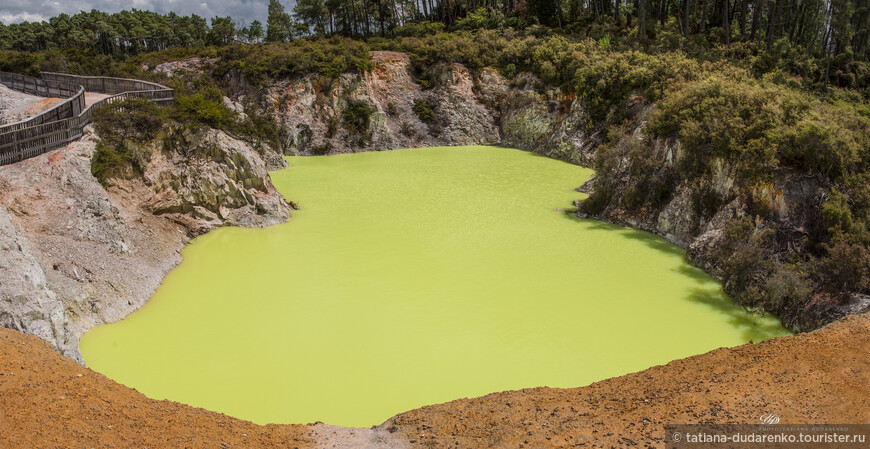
point(78, 96)
point(23, 123)
point(49, 130)
point(155, 86)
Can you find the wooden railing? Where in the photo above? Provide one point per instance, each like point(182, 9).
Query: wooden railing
point(109, 85)
point(71, 107)
point(65, 122)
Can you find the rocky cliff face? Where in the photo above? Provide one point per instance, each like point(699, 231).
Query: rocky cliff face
point(312, 109)
point(787, 208)
point(457, 108)
point(208, 179)
point(75, 254)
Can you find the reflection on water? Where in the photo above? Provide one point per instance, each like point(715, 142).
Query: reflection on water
point(414, 277)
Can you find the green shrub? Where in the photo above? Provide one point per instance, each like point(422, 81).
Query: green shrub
point(482, 18)
point(127, 119)
point(846, 268)
point(423, 109)
point(745, 270)
point(829, 140)
point(632, 198)
point(509, 71)
point(597, 201)
point(321, 150)
point(356, 117)
point(836, 216)
point(125, 128)
point(201, 102)
point(607, 80)
point(735, 119)
point(331, 126)
point(107, 162)
point(419, 29)
point(329, 57)
point(787, 285)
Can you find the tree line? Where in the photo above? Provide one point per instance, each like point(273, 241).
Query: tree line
point(820, 27)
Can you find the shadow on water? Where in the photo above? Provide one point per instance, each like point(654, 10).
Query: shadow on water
point(653, 241)
point(647, 238)
point(751, 326)
point(694, 273)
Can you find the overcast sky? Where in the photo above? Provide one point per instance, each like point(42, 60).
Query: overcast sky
point(244, 11)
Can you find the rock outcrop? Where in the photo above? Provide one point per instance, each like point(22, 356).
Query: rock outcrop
point(75, 254)
point(209, 179)
point(465, 110)
point(26, 302)
point(311, 109)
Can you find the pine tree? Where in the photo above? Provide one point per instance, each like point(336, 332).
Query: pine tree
point(278, 24)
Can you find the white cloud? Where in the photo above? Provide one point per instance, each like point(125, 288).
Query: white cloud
point(13, 11)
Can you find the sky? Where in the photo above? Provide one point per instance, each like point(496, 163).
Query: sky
point(243, 11)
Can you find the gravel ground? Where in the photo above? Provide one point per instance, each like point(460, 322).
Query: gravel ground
point(16, 106)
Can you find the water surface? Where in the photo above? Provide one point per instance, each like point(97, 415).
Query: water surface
point(414, 277)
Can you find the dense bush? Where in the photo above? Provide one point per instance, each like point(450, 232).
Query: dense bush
point(424, 110)
point(597, 201)
point(651, 183)
point(787, 285)
point(356, 118)
point(733, 119)
point(846, 268)
point(123, 128)
point(325, 56)
point(132, 118)
point(204, 107)
point(606, 80)
point(759, 125)
point(200, 102)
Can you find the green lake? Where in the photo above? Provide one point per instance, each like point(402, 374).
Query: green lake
point(414, 277)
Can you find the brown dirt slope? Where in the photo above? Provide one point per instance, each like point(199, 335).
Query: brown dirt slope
point(818, 377)
point(49, 401)
point(821, 377)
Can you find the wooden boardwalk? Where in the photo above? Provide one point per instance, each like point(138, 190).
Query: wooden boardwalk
point(93, 97)
point(65, 122)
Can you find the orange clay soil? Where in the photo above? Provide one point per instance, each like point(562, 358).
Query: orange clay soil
point(49, 401)
point(819, 377)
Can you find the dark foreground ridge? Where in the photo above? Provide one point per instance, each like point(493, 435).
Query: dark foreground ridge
point(47, 400)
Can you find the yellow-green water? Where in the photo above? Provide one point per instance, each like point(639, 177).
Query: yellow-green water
point(414, 277)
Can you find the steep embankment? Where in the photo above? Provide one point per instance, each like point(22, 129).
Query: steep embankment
point(742, 235)
point(80, 255)
point(318, 115)
point(819, 377)
point(76, 254)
